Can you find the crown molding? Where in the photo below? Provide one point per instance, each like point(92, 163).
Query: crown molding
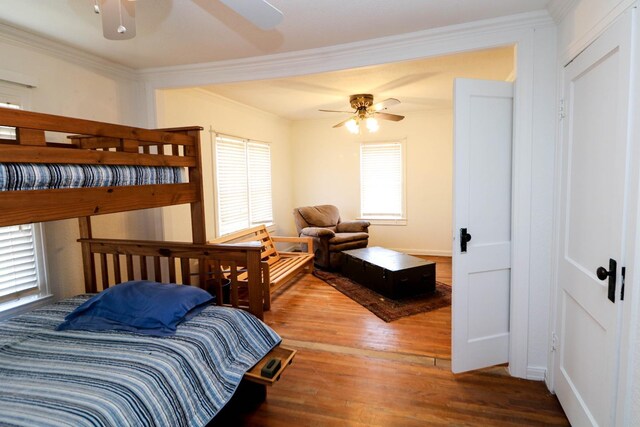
point(558, 9)
point(403, 47)
point(24, 39)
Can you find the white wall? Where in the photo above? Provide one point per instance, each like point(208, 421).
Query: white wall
point(189, 107)
point(326, 167)
point(76, 89)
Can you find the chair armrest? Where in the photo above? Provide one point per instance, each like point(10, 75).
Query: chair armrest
point(307, 240)
point(354, 226)
point(317, 232)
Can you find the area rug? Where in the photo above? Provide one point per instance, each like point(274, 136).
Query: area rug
point(383, 307)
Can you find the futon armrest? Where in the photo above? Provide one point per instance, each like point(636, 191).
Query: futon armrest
point(354, 226)
point(302, 239)
point(317, 232)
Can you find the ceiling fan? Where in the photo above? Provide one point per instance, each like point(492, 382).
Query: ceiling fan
point(119, 16)
point(364, 110)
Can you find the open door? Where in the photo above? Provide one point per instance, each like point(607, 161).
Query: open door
point(483, 114)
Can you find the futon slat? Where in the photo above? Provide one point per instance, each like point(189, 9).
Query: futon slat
point(104, 270)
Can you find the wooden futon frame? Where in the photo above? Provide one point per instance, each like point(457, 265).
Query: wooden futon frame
point(277, 267)
point(107, 261)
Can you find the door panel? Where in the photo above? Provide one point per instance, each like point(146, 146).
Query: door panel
point(594, 186)
point(482, 204)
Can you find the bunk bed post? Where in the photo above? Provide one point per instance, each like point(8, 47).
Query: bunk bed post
point(88, 263)
point(198, 229)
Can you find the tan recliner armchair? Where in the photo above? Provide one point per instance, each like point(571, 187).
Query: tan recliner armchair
point(330, 235)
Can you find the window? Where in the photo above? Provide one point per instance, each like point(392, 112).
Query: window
point(21, 272)
point(382, 181)
point(243, 184)
point(21, 249)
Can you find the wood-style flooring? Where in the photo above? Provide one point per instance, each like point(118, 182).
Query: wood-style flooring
point(353, 369)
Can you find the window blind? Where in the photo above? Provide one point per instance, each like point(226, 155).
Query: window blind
point(7, 132)
point(18, 268)
point(260, 207)
point(381, 180)
point(243, 182)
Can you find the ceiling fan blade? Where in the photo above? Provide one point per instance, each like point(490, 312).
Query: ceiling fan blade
point(336, 111)
point(387, 116)
point(383, 105)
point(259, 12)
point(117, 13)
point(342, 123)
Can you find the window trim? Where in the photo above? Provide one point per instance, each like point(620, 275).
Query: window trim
point(382, 219)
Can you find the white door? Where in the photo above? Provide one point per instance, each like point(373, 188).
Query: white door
point(595, 144)
point(483, 112)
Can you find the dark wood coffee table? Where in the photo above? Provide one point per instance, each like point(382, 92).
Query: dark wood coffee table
point(390, 273)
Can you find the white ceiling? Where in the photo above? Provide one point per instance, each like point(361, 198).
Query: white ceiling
point(176, 32)
point(419, 85)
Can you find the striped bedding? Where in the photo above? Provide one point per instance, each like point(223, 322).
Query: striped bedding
point(35, 176)
point(79, 378)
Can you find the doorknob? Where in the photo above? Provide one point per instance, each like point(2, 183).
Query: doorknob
point(604, 274)
point(464, 239)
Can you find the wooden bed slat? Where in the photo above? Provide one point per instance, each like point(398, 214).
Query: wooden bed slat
point(116, 268)
point(18, 207)
point(49, 122)
point(30, 154)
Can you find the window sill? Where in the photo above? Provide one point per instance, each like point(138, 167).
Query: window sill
point(22, 305)
point(380, 221)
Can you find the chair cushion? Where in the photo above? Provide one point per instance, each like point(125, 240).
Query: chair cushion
point(347, 237)
point(320, 216)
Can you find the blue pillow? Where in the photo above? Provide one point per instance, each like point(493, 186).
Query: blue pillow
point(141, 307)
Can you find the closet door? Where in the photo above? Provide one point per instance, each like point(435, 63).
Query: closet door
point(594, 190)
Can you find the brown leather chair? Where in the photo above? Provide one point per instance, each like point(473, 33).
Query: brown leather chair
point(330, 235)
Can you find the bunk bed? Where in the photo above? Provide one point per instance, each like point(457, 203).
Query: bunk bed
point(52, 377)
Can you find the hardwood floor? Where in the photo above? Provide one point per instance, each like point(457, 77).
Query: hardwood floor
point(353, 369)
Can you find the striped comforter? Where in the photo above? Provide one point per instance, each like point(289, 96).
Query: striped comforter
point(34, 176)
point(79, 378)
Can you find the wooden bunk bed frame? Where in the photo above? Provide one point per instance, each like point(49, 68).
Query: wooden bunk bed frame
point(107, 262)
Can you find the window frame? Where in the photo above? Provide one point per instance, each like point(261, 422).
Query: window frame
point(387, 219)
point(216, 170)
point(16, 95)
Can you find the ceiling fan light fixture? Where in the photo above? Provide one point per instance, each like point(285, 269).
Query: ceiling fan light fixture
point(353, 126)
point(372, 124)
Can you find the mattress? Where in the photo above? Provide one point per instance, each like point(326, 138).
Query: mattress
point(81, 378)
point(35, 176)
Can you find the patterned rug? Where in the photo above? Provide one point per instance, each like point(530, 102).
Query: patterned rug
point(383, 307)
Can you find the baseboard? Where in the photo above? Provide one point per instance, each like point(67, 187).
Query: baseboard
point(536, 373)
point(431, 252)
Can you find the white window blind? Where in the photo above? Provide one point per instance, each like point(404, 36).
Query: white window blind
point(381, 180)
point(18, 268)
point(7, 132)
point(243, 178)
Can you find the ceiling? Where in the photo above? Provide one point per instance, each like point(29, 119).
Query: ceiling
point(420, 85)
point(177, 32)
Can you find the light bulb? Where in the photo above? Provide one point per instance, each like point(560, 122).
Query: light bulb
point(352, 126)
point(96, 8)
point(372, 124)
point(122, 29)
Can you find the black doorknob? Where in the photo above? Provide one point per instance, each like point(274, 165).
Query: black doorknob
point(602, 273)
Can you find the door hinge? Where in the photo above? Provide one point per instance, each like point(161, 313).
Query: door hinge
point(554, 341)
point(622, 273)
point(561, 110)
